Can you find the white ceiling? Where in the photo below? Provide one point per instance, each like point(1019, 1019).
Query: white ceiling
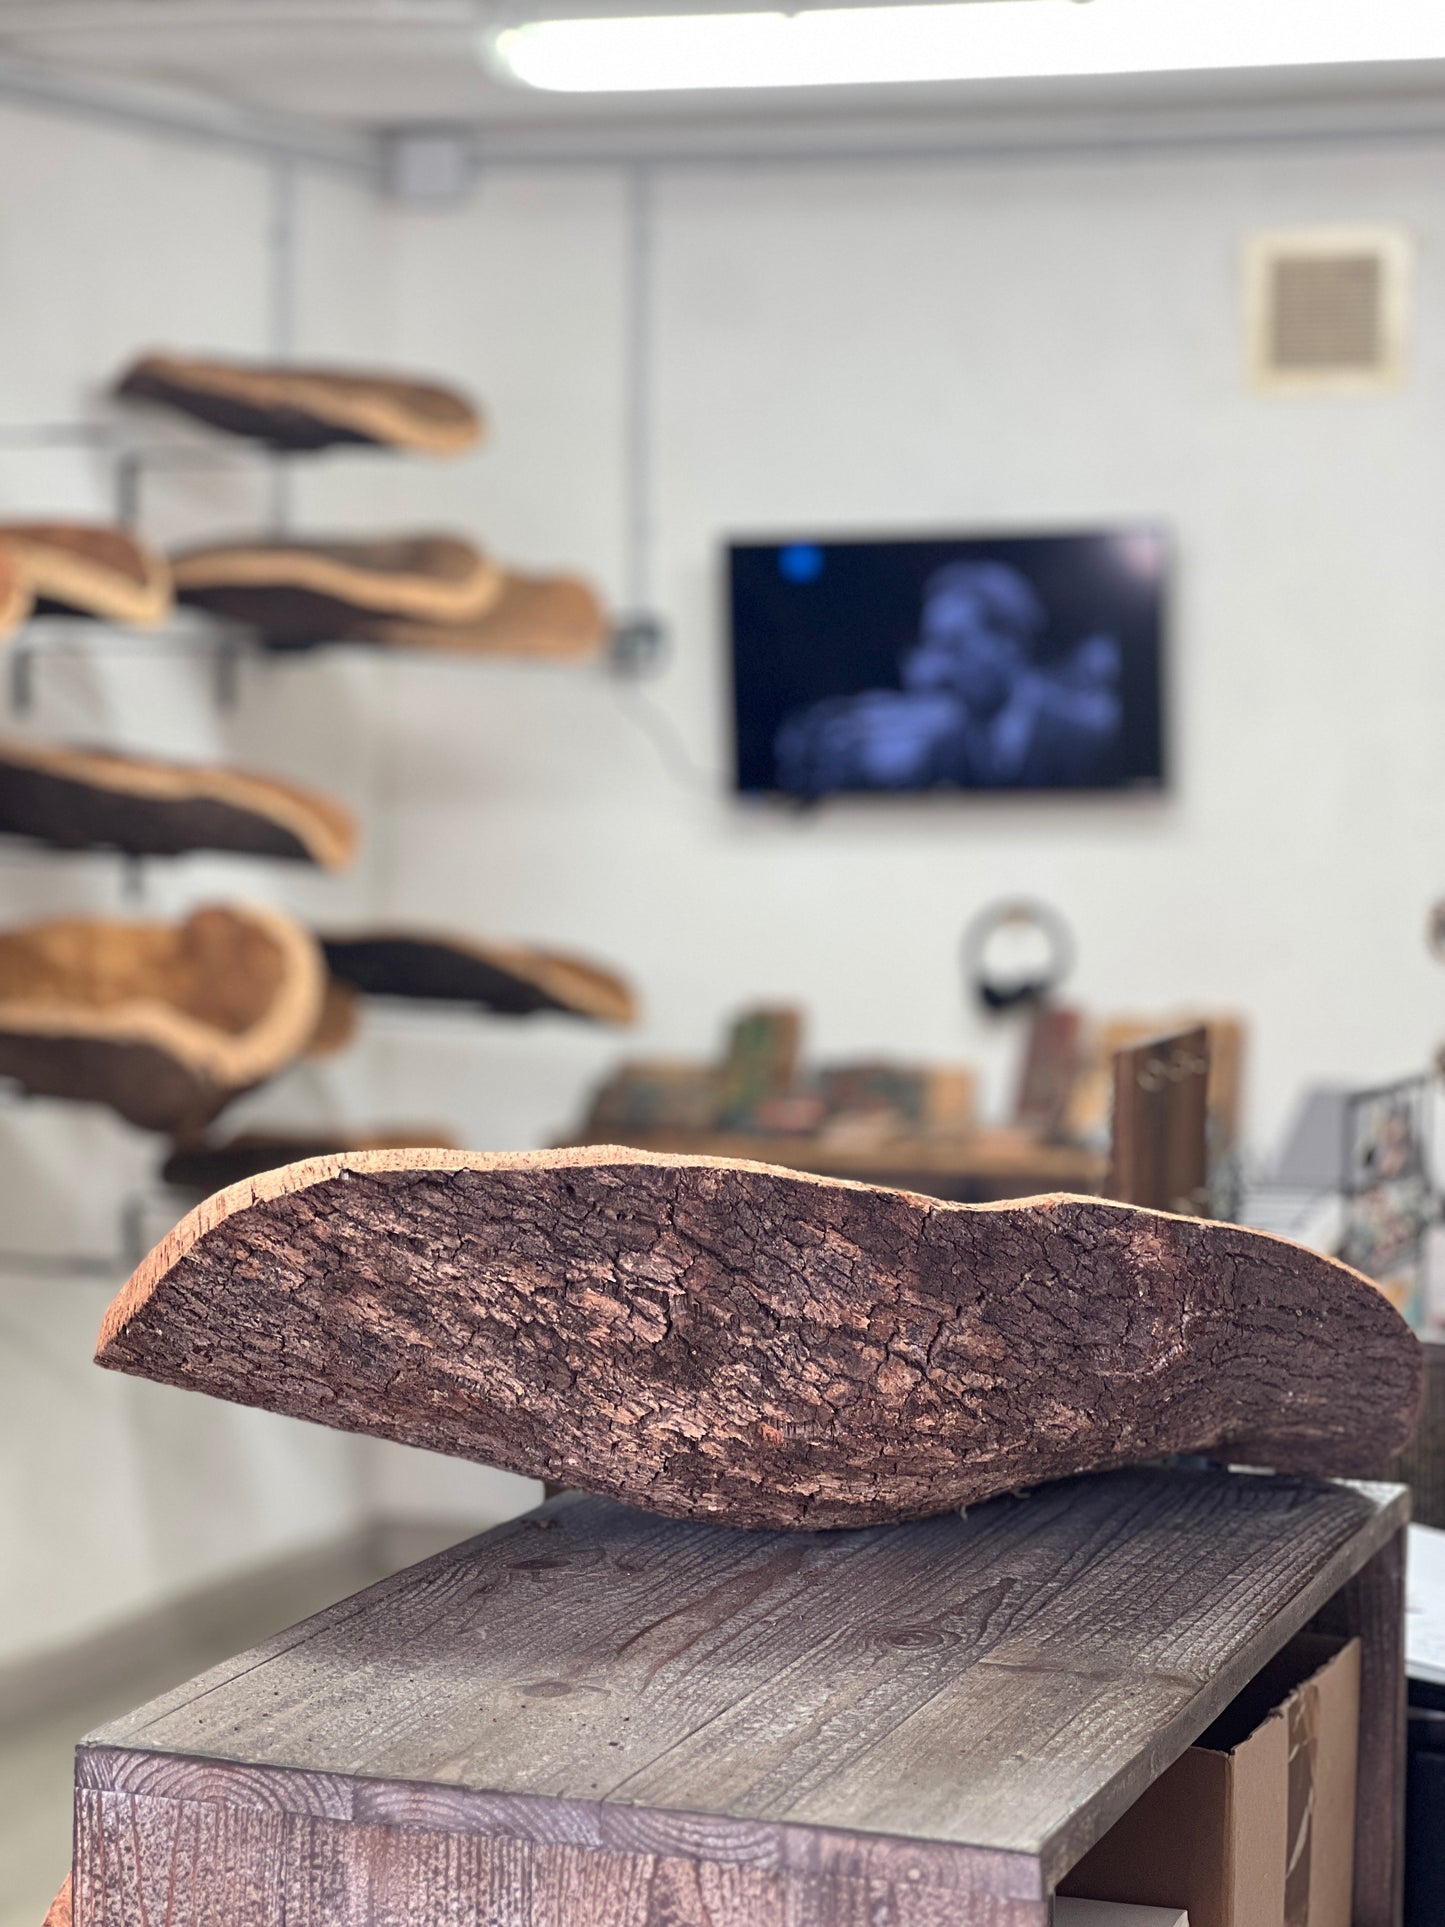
point(368, 64)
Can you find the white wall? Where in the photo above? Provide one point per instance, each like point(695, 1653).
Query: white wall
point(115, 1494)
point(884, 347)
point(910, 347)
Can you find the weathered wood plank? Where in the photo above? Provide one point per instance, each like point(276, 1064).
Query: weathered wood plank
point(198, 1864)
point(744, 1344)
point(1006, 1682)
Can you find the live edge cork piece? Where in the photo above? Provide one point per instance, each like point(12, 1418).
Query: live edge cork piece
point(733, 1342)
point(165, 1023)
point(292, 406)
point(77, 798)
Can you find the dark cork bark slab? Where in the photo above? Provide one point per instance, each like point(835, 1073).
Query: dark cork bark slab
point(511, 979)
point(165, 1023)
point(296, 594)
point(90, 569)
point(300, 407)
point(743, 1344)
point(76, 798)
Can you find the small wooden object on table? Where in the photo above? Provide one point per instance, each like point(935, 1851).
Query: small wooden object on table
point(1160, 1148)
point(592, 1717)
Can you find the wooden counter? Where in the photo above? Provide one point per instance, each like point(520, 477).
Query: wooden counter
point(592, 1717)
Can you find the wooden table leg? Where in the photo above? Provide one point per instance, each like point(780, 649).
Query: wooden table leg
point(1372, 1606)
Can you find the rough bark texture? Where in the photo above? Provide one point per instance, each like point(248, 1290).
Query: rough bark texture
point(296, 594)
point(511, 979)
point(164, 1022)
point(91, 569)
point(87, 799)
point(291, 407)
point(739, 1343)
point(58, 1913)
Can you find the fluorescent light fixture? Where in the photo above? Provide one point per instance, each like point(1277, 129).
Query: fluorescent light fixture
point(959, 40)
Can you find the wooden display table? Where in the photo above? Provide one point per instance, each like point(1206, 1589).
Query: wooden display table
point(591, 1717)
point(979, 1168)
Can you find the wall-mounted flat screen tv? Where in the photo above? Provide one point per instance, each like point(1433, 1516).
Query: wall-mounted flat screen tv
point(955, 663)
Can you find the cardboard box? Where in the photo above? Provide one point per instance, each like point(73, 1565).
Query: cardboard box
point(1115, 1913)
point(1255, 1825)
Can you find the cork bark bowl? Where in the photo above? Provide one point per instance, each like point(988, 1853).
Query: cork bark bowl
point(165, 1023)
point(297, 594)
point(548, 618)
point(75, 798)
point(732, 1342)
point(90, 569)
point(299, 407)
point(16, 596)
point(511, 979)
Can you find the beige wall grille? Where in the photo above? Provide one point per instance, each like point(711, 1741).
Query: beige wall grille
point(1328, 308)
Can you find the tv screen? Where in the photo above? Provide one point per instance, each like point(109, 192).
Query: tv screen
point(967, 663)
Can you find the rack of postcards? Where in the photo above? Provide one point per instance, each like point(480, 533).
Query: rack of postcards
point(167, 1023)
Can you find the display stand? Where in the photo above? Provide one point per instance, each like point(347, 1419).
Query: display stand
point(592, 1715)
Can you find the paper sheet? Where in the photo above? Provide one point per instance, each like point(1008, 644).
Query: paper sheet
point(1425, 1605)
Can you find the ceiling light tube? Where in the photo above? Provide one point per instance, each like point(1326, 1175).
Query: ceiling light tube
point(951, 40)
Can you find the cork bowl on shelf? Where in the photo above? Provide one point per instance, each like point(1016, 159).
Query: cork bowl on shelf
point(165, 1023)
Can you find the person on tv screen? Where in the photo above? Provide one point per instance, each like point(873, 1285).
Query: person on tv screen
point(976, 709)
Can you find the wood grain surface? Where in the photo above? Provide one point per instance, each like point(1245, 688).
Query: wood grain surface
point(206, 1864)
point(79, 798)
point(300, 406)
point(749, 1345)
point(963, 1703)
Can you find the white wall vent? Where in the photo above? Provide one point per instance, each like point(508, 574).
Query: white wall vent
point(1328, 308)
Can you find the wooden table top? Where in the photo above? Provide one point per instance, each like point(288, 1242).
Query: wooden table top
point(1008, 1681)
